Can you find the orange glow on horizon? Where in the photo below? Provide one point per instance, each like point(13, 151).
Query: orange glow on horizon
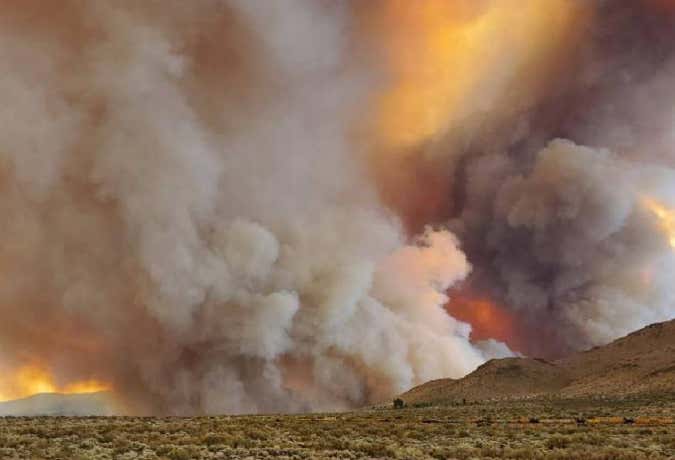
point(32, 379)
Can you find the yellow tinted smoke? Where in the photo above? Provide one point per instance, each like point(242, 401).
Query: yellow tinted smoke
point(665, 216)
point(448, 58)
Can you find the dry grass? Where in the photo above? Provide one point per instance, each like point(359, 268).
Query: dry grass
point(487, 430)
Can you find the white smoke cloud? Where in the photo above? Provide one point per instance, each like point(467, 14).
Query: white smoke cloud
point(200, 264)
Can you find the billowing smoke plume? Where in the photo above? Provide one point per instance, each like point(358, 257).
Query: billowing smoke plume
point(552, 192)
point(241, 206)
point(187, 219)
point(571, 244)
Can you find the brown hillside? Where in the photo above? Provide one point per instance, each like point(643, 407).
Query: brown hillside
point(641, 362)
point(496, 379)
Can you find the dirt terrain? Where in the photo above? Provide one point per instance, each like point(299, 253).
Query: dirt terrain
point(640, 363)
point(597, 429)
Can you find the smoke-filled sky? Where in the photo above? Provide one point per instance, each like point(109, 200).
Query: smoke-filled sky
point(252, 206)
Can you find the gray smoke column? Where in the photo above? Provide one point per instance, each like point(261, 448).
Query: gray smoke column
point(552, 200)
point(186, 217)
point(573, 245)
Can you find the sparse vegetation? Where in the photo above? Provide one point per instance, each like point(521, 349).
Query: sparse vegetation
point(489, 430)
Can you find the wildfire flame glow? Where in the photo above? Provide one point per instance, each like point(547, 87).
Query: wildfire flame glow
point(33, 379)
point(665, 216)
point(487, 319)
point(440, 52)
point(445, 70)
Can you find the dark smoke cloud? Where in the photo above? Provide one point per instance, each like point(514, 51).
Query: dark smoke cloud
point(558, 232)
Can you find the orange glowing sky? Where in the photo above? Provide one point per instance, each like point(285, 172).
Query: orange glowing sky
point(33, 379)
point(441, 53)
point(446, 61)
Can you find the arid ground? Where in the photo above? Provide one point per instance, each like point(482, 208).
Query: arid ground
point(638, 428)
